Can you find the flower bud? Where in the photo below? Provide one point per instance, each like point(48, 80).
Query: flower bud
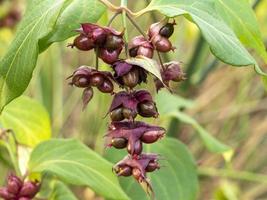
point(96, 80)
point(6, 195)
point(88, 94)
point(83, 43)
point(131, 79)
point(14, 184)
point(113, 42)
point(29, 189)
point(152, 135)
point(117, 115)
point(147, 109)
point(108, 56)
point(119, 143)
point(167, 30)
point(136, 149)
point(106, 87)
point(162, 44)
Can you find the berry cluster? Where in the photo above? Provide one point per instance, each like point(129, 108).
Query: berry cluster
point(124, 131)
point(17, 189)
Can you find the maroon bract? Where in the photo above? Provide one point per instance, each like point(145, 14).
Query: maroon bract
point(141, 46)
point(172, 72)
point(136, 102)
point(128, 75)
point(132, 132)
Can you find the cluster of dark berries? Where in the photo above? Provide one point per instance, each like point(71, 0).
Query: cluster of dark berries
point(17, 189)
point(124, 132)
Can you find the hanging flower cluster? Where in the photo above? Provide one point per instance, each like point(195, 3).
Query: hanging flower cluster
point(124, 132)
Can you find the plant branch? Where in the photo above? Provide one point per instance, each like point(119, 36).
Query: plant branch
point(160, 60)
point(114, 8)
point(124, 22)
point(112, 18)
point(96, 58)
point(233, 174)
point(136, 26)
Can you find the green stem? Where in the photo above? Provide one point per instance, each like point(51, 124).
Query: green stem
point(137, 26)
point(124, 21)
point(112, 18)
point(96, 58)
point(233, 174)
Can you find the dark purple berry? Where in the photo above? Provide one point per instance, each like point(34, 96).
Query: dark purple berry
point(162, 44)
point(128, 113)
point(119, 143)
point(133, 51)
point(88, 94)
point(109, 57)
point(152, 136)
point(117, 115)
point(83, 43)
point(136, 149)
point(113, 42)
point(29, 189)
point(167, 30)
point(131, 79)
point(99, 36)
point(152, 166)
point(106, 87)
point(96, 80)
point(147, 109)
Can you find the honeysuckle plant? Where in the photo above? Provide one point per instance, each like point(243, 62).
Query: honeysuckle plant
point(134, 148)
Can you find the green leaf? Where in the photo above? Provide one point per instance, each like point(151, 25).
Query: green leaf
point(148, 64)
point(42, 24)
point(177, 179)
point(209, 141)
point(79, 11)
point(76, 164)
point(28, 119)
point(222, 40)
point(167, 102)
point(61, 192)
point(241, 18)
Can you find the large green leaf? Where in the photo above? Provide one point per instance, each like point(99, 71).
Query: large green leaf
point(177, 179)
point(76, 164)
point(42, 24)
point(79, 11)
point(28, 119)
point(222, 40)
point(61, 192)
point(241, 18)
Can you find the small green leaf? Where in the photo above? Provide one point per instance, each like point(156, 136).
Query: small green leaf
point(210, 142)
point(177, 179)
point(61, 192)
point(28, 119)
point(76, 164)
point(148, 64)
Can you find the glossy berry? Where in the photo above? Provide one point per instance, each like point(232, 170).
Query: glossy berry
point(117, 115)
point(147, 52)
point(136, 149)
point(83, 43)
point(151, 136)
point(119, 143)
point(96, 80)
point(123, 171)
point(109, 56)
point(29, 189)
point(113, 42)
point(133, 51)
point(152, 166)
point(131, 79)
point(128, 113)
point(162, 44)
point(106, 87)
point(147, 109)
point(99, 36)
point(167, 30)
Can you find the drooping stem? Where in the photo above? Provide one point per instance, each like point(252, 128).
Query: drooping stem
point(160, 60)
point(136, 26)
point(96, 58)
point(124, 22)
point(112, 18)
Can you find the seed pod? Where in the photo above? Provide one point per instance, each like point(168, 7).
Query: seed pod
point(99, 36)
point(147, 109)
point(125, 171)
point(162, 44)
point(128, 113)
point(119, 143)
point(96, 80)
point(13, 184)
point(152, 136)
point(154, 29)
point(131, 79)
point(109, 57)
point(29, 189)
point(136, 149)
point(147, 52)
point(6, 195)
point(106, 87)
point(117, 115)
point(152, 166)
point(83, 43)
point(113, 42)
point(167, 30)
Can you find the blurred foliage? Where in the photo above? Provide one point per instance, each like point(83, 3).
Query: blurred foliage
point(230, 103)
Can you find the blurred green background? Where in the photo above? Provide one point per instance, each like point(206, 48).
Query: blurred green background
point(231, 104)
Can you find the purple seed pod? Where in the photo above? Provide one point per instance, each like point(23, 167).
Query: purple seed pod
point(83, 43)
point(88, 94)
point(140, 46)
point(132, 132)
point(109, 56)
point(6, 195)
point(172, 72)
point(81, 77)
point(14, 184)
point(29, 189)
point(162, 28)
point(162, 44)
point(132, 103)
point(128, 75)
